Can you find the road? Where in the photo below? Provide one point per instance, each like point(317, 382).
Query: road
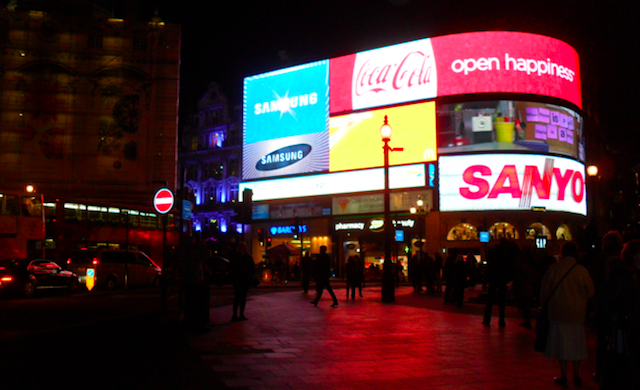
point(98, 340)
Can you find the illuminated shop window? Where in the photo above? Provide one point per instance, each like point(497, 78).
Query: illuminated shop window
point(538, 230)
point(563, 233)
point(463, 232)
point(503, 230)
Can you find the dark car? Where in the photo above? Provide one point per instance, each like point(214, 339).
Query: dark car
point(218, 268)
point(25, 277)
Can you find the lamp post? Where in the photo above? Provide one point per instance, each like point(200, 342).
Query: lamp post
point(388, 285)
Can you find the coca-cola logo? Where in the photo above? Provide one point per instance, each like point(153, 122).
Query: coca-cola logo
point(414, 69)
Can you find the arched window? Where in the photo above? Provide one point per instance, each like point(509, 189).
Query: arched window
point(463, 232)
point(563, 233)
point(537, 230)
point(503, 230)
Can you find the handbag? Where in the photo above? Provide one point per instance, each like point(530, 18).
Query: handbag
point(542, 319)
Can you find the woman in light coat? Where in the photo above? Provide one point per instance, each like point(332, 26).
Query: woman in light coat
point(567, 311)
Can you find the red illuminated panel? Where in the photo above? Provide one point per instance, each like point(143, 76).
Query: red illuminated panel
point(489, 62)
point(482, 62)
point(355, 138)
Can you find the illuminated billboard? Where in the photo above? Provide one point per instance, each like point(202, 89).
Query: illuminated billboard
point(459, 64)
point(355, 141)
point(405, 176)
point(482, 182)
point(478, 126)
point(286, 122)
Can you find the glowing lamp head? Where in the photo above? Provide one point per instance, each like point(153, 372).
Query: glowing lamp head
point(30, 188)
point(420, 202)
point(386, 130)
point(592, 170)
point(413, 210)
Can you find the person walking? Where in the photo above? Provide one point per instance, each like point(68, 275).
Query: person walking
point(242, 270)
point(360, 279)
point(306, 266)
point(598, 270)
point(567, 307)
point(498, 275)
point(322, 276)
point(621, 297)
point(352, 276)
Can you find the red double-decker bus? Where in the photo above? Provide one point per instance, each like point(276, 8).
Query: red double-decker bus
point(21, 225)
point(73, 225)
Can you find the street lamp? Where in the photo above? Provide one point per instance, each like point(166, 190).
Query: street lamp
point(388, 284)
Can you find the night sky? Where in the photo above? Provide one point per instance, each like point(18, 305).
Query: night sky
point(226, 41)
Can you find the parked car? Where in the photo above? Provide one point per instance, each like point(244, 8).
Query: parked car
point(115, 268)
point(24, 277)
point(218, 270)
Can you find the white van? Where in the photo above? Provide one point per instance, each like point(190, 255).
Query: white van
point(115, 268)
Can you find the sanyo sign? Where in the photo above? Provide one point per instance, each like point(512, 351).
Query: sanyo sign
point(512, 182)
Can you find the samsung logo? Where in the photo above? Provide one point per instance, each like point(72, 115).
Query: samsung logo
point(283, 157)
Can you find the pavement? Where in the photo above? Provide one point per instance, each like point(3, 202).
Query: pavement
point(416, 342)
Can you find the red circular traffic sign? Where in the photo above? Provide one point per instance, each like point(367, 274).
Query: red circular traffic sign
point(163, 200)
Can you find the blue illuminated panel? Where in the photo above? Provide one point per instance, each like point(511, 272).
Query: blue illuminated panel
point(286, 122)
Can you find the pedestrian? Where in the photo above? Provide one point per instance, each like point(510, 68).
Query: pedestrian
point(295, 271)
point(437, 266)
point(416, 272)
point(460, 280)
point(449, 278)
point(242, 269)
point(598, 270)
point(322, 276)
point(360, 277)
point(498, 275)
point(306, 267)
point(352, 276)
point(621, 296)
point(192, 283)
point(522, 282)
point(566, 288)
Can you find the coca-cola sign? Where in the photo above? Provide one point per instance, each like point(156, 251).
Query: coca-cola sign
point(394, 74)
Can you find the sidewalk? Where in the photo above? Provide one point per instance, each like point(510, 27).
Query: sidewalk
point(414, 343)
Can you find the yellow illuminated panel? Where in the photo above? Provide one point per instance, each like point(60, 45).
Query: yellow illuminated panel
point(355, 140)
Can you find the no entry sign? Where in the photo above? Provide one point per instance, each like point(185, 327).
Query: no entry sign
point(163, 200)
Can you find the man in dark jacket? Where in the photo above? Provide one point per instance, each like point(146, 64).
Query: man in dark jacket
point(322, 276)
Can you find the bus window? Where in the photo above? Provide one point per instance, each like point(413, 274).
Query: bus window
point(10, 205)
point(31, 206)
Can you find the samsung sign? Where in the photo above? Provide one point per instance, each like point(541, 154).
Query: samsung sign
point(283, 157)
point(286, 122)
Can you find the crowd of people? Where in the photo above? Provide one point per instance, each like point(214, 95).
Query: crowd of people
point(602, 289)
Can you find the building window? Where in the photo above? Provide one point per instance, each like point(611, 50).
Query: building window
point(563, 233)
point(233, 167)
point(216, 139)
point(140, 42)
point(538, 230)
point(95, 38)
point(463, 232)
point(503, 230)
point(194, 143)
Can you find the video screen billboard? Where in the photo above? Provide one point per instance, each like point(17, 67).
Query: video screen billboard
point(355, 141)
point(481, 182)
point(286, 122)
point(509, 125)
point(459, 64)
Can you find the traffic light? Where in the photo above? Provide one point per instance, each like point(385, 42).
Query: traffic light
point(261, 236)
point(268, 242)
